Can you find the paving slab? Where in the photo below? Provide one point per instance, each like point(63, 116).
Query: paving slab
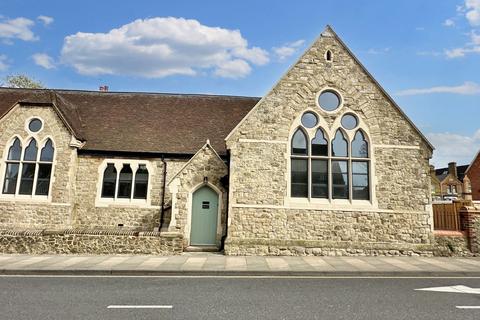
point(216, 264)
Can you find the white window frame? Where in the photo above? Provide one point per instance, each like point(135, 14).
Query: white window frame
point(118, 163)
point(40, 145)
point(329, 131)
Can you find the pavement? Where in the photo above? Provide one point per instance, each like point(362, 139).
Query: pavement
point(217, 264)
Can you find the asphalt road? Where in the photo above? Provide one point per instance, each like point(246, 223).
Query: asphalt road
point(233, 298)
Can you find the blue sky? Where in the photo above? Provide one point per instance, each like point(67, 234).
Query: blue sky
point(426, 54)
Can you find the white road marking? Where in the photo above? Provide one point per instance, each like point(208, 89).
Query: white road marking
point(452, 289)
point(139, 307)
point(468, 307)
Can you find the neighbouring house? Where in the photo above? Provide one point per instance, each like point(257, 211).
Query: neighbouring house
point(448, 183)
point(473, 174)
point(325, 163)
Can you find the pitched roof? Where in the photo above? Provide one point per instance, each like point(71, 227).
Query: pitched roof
point(442, 173)
point(139, 122)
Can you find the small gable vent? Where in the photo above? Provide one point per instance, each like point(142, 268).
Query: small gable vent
point(328, 55)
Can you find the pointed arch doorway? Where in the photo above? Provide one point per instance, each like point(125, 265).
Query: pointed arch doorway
point(204, 217)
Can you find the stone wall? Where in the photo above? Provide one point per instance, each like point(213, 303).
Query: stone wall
point(263, 217)
point(205, 164)
point(34, 212)
point(89, 242)
point(133, 216)
point(328, 232)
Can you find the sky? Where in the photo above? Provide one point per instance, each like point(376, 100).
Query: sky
point(426, 54)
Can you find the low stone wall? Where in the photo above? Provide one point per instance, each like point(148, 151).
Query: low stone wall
point(72, 241)
point(239, 247)
point(328, 232)
point(451, 243)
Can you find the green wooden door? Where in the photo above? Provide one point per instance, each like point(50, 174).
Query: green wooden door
point(204, 217)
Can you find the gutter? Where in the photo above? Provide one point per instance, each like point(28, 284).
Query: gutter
point(162, 204)
point(224, 237)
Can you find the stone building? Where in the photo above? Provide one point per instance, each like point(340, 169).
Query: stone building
point(324, 163)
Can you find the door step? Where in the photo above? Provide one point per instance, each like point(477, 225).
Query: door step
point(201, 249)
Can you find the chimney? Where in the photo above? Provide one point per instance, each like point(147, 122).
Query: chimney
point(452, 169)
point(103, 88)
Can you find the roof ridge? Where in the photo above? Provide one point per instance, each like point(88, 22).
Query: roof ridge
point(129, 92)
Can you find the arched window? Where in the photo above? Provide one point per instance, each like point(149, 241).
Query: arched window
point(32, 170)
point(12, 167)
point(299, 164)
point(360, 168)
point(328, 55)
point(141, 182)
point(335, 169)
point(109, 181)
point(125, 181)
point(45, 169)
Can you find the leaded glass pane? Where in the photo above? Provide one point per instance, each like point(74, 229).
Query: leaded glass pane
point(299, 143)
point(31, 151)
point(11, 177)
point(43, 179)
point(360, 183)
point(339, 145)
point(340, 179)
point(28, 175)
point(15, 150)
point(359, 146)
point(109, 181)
point(299, 186)
point(319, 144)
point(320, 178)
point(141, 182)
point(47, 152)
point(125, 182)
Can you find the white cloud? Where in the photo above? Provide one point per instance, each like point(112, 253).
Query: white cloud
point(233, 69)
point(43, 60)
point(453, 147)
point(159, 47)
point(475, 38)
point(46, 20)
point(461, 52)
point(429, 53)
point(288, 49)
point(378, 51)
point(18, 28)
point(467, 88)
point(3, 62)
point(473, 12)
point(449, 23)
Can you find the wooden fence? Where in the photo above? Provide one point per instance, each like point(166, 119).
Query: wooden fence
point(446, 216)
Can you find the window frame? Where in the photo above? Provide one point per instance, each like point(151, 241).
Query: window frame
point(37, 162)
point(118, 164)
point(329, 134)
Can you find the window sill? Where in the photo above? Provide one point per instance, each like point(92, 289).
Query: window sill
point(25, 198)
point(325, 204)
point(123, 203)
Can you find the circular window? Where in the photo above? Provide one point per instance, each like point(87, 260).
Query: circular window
point(309, 119)
point(35, 125)
point(329, 100)
point(349, 121)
